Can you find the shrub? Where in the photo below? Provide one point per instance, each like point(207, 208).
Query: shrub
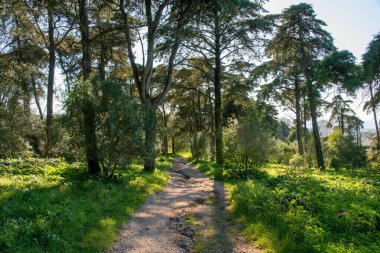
point(282, 152)
point(297, 161)
point(247, 145)
point(342, 151)
point(374, 156)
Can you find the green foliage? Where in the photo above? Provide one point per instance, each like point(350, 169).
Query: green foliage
point(247, 145)
point(343, 151)
point(200, 145)
point(371, 66)
point(118, 121)
point(315, 211)
point(20, 130)
point(374, 156)
point(297, 161)
point(66, 139)
point(339, 68)
point(282, 152)
point(371, 62)
point(53, 206)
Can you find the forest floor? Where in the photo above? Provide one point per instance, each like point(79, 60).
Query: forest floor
point(189, 215)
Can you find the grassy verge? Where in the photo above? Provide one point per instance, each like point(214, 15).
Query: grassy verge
point(285, 210)
point(52, 206)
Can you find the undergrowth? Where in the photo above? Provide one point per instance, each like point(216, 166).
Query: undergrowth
point(53, 206)
point(288, 210)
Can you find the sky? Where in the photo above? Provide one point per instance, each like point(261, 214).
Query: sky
point(352, 23)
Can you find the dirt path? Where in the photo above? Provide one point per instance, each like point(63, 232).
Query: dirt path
point(187, 216)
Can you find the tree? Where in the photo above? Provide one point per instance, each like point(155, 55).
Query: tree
point(22, 63)
point(225, 31)
point(53, 13)
point(340, 71)
point(371, 66)
point(193, 99)
point(300, 38)
point(340, 112)
point(286, 86)
point(164, 22)
point(88, 110)
point(354, 124)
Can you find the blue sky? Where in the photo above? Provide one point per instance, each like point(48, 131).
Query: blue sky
point(352, 23)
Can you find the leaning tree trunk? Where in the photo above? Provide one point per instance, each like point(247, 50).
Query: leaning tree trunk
point(50, 84)
point(218, 89)
point(313, 113)
point(150, 136)
point(298, 116)
point(88, 110)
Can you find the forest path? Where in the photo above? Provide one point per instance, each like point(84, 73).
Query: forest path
point(189, 215)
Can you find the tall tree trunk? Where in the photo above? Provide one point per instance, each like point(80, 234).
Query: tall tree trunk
point(173, 144)
point(88, 110)
point(166, 137)
point(50, 84)
point(313, 112)
point(298, 115)
point(150, 136)
point(199, 112)
point(166, 143)
point(212, 131)
point(218, 88)
point(374, 113)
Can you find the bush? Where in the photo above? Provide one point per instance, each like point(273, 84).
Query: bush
point(247, 145)
point(282, 152)
point(374, 156)
point(342, 151)
point(297, 161)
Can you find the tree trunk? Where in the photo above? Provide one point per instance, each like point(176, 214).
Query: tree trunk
point(218, 88)
point(102, 61)
point(150, 137)
point(298, 115)
point(342, 122)
point(212, 132)
point(313, 113)
point(166, 137)
point(88, 110)
point(374, 113)
point(173, 144)
point(36, 99)
point(50, 84)
point(305, 130)
point(195, 148)
point(166, 143)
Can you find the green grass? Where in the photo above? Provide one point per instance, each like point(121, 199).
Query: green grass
point(52, 206)
point(288, 210)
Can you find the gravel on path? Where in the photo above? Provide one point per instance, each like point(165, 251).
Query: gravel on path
point(189, 215)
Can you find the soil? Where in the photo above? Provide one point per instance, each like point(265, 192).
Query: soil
point(189, 215)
